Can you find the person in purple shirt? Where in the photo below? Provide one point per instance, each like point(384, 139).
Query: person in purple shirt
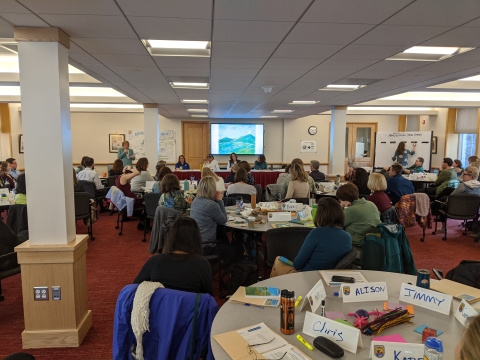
point(397, 185)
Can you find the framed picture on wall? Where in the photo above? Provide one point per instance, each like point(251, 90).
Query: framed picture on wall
point(434, 145)
point(115, 142)
point(20, 143)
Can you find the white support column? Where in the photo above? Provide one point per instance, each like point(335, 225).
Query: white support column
point(152, 134)
point(47, 134)
point(338, 123)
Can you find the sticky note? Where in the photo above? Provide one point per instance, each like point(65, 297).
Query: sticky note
point(421, 327)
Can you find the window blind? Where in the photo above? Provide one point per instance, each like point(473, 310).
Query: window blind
point(467, 121)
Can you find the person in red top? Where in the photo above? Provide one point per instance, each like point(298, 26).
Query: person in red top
point(123, 183)
point(378, 185)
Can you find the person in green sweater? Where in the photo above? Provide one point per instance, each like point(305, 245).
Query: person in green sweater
point(126, 154)
point(446, 179)
point(361, 216)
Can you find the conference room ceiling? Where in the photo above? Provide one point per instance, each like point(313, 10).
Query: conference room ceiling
point(296, 46)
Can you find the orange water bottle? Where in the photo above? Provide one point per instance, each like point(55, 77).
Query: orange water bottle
point(287, 312)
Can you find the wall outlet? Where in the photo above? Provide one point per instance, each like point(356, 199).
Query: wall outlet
point(40, 293)
point(56, 294)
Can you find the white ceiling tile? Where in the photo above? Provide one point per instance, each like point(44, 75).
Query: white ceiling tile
point(188, 9)
point(306, 51)
point(97, 7)
point(18, 19)
point(227, 79)
point(368, 52)
point(292, 63)
point(83, 59)
point(376, 74)
point(94, 26)
point(396, 65)
point(400, 35)
point(153, 28)
point(256, 31)
point(343, 64)
point(222, 62)
point(111, 46)
point(242, 49)
point(250, 73)
point(326, 73)
point(437, 13)
point(13, 6)
point(448, 66)
point(353, 11)
point(265, 73)
point(267, 10)
point(458, 37)
point(273, 80)
point(135, 70)
point(473, 23)
point(6, 30)
point(181, 62)
point(326, 33)
point(186, 71)
point(125, 60)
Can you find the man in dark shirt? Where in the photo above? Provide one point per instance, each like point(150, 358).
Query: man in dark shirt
point(314, 172)
point(397, 185)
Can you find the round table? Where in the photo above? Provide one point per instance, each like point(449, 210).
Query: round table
point(236, 316)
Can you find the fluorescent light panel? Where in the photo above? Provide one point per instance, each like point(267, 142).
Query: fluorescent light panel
point(269, 116)
point(303, 102)
point(382, 108)
point(178, 48)
point(431, 50)
point(188, 85)
point(107, 106)
point(198, 110)
point(472, 78)
point(202, 116)
point(282, 111)
point(428, 53)
point(175, 44)
point(436, 96)
point(194, 101)
point(339, 87)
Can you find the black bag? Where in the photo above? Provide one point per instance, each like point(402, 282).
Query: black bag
point(242, 274)
point(467, 273)
point(244, 246)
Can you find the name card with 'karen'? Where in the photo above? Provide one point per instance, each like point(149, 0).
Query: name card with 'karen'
point(372, 291)
point(425, 298)
point(396, 351)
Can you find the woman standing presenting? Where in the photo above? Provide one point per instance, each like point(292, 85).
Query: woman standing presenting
point(126, 154)
point(401, 154)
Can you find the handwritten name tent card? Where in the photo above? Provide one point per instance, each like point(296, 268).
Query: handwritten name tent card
point(373, 291)
point(395, 350)
point(464, 311)
point(425, 298)
point(314, 297)
point(348, 337)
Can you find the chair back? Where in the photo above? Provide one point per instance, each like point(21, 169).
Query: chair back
point(463, 205)
point(151, 203)
point(89, 187)
point(109, 167)
point(273, 192)
point(229, 201)
point(159, 230)
point(246, 197)
point(82, 205)
point(304, 201)
point(348, 259)
point(111, 180)
point(17, 218)
point(259, 192)
point(389, 216)
point(285, 242)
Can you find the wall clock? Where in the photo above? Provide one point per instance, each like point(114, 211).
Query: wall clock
point(312, 130)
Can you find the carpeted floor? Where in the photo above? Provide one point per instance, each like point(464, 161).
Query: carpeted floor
point(113, 261)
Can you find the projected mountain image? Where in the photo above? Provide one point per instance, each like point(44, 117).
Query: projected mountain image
point(242, 145)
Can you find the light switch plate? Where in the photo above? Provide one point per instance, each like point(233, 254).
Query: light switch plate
point(40, 293)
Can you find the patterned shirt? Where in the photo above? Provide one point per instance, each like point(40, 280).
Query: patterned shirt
point(174, 200)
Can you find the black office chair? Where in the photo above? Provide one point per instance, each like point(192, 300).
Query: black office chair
point(83, 210)
point(304, 201)
point(151, 204)
point(229, 201)
point(246, 197)
point(111, 180)
point(347, 261)
point(259, 192)
point(284, 242)
point(91, 189)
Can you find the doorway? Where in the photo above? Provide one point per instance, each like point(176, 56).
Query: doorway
point(195, 142)
point(360, 143)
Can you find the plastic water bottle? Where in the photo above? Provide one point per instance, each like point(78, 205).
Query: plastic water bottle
point(11, 197)
point(314, 211)
point(433, 349)
point(185, 185)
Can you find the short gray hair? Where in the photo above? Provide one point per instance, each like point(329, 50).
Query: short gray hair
point(315, 164)
point(473, 171)
point(207, 188)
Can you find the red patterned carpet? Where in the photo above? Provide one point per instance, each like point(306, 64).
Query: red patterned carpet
point(113, 261)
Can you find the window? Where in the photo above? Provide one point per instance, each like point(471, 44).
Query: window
point(466, 147)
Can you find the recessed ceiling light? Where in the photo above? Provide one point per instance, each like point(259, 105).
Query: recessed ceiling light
point(202, 116)
point(194, 101)
point(339, 87)
point(472, 78)
point(436, 96)
point(282, 111)
point(107, 106)
point(303, 102)
point(197, 110)
point(384, 108)
point(431, 50)
point(178, 48)
point(428, 53)
point(10, 90)
point(188, 85)
point(269, 116)
point(175, 44)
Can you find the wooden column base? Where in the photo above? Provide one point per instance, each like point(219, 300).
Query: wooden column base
point(55, 323)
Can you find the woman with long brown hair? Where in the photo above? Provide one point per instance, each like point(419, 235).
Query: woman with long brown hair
point(298, 187)
point(117, 168)
point(401, 154)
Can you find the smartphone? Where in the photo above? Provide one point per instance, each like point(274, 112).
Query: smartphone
point(285, 261)
point(343, 279)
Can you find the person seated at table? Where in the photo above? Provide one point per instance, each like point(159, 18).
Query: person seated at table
point(377, 184)
point(123, 183)
point(126, 154)
point(181, 266)
point(415, 168)
point(21, 190)
point(361, 216)
point(240, 186)
point(140, 181)
point(164, 171)
point(447, 177)
point(245, 165)
point(470, 184)
point(233, 160)
point(324, 246)
point(220, 183)
point(260, 163)
point(77, 187)
point(360, 180)
point(172, 197)
point(282, 176)
point(89, 174)
point(13, 168)
point(159, 167)
point(211, 163)
point(82, 164)
point(5, 176)
point(230, 179)
point(298, 187)
point(315, 174)
point(397, 185)
point(350, 175)
point(457, 166)
point(208, 211)
point(401, 154)
point(468, 347)
point(288, 178)
point(117, 168)
point(182, 164)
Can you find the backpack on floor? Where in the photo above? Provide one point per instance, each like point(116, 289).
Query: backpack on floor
point(243, 274)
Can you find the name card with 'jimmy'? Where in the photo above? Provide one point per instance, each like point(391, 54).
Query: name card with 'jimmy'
point(343, 335)
point(464, 311)
point(396, 351)
point(372, 291)
point(425, 298)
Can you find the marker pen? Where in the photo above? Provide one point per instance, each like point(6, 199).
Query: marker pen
point(298, 301)
point(304, 342)
point(323, 308)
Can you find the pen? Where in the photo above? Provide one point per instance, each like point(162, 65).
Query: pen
point(257, 306)
point(304, 342)
point(323, 308)
point(298, 301)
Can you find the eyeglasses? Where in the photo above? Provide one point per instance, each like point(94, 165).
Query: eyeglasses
point(466, 174)
point(253, 355)
point(252, 352)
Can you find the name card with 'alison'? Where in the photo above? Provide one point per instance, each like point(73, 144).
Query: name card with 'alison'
point(425, 298)
point(372, 291)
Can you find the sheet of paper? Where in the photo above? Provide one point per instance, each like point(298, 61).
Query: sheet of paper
point(395, 350)
point(287, 352)
point(390, 338)
point(347, 337)
point(464, 311)
point(361, 292)
point(327, 276)
point(315, 296)
point(261, 334)
point(425, 298)
point(334, 315)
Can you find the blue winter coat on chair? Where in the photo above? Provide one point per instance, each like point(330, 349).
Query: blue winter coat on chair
point(171, 325)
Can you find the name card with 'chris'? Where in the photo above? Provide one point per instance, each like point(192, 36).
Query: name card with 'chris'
point(425, 298)
point(372, 291)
